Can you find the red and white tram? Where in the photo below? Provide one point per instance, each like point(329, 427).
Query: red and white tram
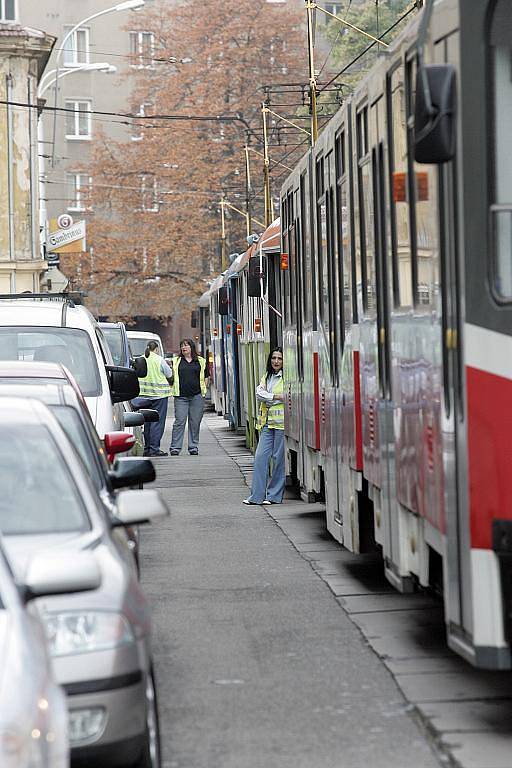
point(397, 318)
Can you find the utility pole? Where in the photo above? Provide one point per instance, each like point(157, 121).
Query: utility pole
point(266, 168)
point(223, 259)
point(248, 188)
point(312, 76)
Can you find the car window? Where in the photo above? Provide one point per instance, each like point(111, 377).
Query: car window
point(38, 493)
point(114, 340)
point(72, 425)
point(138, 346)
point(69, 346)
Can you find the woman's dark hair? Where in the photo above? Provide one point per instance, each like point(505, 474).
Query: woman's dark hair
point(270, 370)
point(192, 347)
point(151, 347)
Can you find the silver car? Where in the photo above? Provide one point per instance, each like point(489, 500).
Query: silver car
point(33, 714)
point(100, 641)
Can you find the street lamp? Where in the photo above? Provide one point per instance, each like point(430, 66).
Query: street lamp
point(47, 80)
point(127, 5)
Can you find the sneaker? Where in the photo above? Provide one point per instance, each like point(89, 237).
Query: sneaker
point(174, 453)
point(267, 503)
point(193, 453)
point(250, 503)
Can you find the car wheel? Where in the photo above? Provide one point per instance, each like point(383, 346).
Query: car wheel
point(150, 756)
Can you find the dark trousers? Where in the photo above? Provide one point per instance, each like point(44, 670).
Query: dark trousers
point(153, 431)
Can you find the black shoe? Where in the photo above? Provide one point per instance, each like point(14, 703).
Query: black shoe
point(174, 453)
point(193, 453)
point(159, 453)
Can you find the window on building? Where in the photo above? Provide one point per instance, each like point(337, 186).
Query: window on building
point(8, 10)
point(78, 120)
point(79, 191)
point(149, 193)
point(142, 49)
point(143, 110)
point(334, 8)
point(76, 48)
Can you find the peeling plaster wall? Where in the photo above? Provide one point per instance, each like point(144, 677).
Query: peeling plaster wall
point(21, 264)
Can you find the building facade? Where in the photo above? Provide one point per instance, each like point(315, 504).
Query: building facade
point(24, 53)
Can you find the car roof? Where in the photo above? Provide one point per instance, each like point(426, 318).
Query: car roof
point(26, 369)
point(142, 335)
point(111, 325)
point(53, 314)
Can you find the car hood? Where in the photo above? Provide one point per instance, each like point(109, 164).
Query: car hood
point(119, 590)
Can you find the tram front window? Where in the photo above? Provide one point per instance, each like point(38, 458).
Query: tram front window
point(501, 208)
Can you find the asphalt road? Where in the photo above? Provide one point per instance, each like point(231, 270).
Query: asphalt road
point(258, 665)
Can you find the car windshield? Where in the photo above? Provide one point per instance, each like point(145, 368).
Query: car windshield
point(38, 493)
point(138, 346)
point(72, 425)
point(69, 346)
point(115, 344)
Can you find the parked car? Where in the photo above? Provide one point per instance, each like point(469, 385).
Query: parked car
point(57, 330)
point(117, 340)
point(99, 641)
point(33, 713)
point(53, 385)
point(138, 341)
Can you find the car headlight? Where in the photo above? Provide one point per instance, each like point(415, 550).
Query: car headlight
point(82, 632)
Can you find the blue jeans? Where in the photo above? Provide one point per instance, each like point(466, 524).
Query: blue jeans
point(190, 408)
point(153, 431)
point(270, 448)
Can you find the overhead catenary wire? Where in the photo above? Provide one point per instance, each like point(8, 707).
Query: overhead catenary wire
point(369, 47)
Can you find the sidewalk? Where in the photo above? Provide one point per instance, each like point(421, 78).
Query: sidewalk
point(257, 663)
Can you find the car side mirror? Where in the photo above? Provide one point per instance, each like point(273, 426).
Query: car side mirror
point(149, 415)
point(137, 507)
point(133, 419)
point(434, 114)
point(131, 470)
point(118, 442)
point(58, 574)
point(124, 384)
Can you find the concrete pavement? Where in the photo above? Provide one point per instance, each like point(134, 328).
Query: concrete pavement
point(258, 665)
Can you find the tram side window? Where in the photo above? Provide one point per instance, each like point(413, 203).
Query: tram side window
point(366, 212)
point(501, 200)
point(345, 262)
point(402, 257)
point(321, 218)
point(307, 278)
point(426, 224)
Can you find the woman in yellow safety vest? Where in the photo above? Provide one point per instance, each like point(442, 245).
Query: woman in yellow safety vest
point(269, 488)
point(189, 390)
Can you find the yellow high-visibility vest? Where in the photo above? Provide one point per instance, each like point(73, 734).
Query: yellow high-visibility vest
point(272, 414)
point(176, 382)
point(154, 384)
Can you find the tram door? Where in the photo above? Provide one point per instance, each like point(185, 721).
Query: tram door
point(456, 566)
point(380, 279)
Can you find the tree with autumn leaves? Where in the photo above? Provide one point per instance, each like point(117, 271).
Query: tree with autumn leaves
point(156, 226)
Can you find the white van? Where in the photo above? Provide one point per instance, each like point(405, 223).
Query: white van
point(138, 341)
point(54, 329)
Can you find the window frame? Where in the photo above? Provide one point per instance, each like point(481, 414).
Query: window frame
point(77, 136)
point(73, 50)
point(76, 206)
point(3, 18)
point(137, 56)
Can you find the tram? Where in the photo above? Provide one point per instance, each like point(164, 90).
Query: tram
point(396, 312)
